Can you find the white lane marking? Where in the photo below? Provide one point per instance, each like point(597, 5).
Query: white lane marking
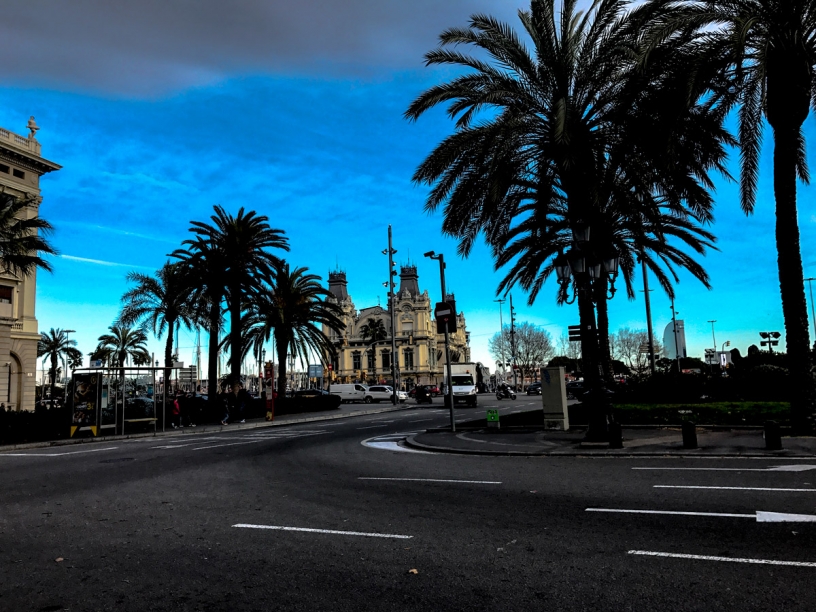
point(93, 450)
point(246, 442)
point(649, 553)
point(421, 420)
point(781, 468)
point(432, 480)
point(623, 511)
point(328, 531)
point(175, 445)
point(372, 427)
point(759, 515)
point(735, 488)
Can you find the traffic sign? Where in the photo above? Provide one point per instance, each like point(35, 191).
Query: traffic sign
point(574, 333)
point(493, 418)
point(445, 316)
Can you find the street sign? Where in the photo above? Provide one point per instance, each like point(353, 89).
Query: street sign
point(96, 363)
point(330, 367)
point(315, 371)
point(574, 333)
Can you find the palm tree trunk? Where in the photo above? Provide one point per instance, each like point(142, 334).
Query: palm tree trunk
point(212, 357)
point(168, 356)
point(791, 278)
point(53, 375)
point(282, 347)
point(236, 350)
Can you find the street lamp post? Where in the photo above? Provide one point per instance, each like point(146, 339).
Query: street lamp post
point(449, 385)
point(714, 340)
point(585, 267)
point(501, 334)
point(65, 398)
point(812, 307)
point(391, 251)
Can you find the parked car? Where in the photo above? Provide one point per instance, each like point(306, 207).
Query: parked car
point(311, 393)
point(534, 388)
point(380, 393)
point(428, 389)
point(575, 389)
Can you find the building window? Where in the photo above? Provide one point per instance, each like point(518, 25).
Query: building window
point(357, 362)
point(18, 173)
point(431, 356)
point(5, 294)
point(386, 360)
point(4, 168)
point(409, 359)
point(371, 356)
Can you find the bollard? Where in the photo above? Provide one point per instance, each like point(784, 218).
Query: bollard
point(773, 436)
point(689, 435)
point(615, 435)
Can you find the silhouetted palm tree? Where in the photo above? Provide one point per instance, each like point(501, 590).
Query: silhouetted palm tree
point(292, 306)
point(242, 244)
point(162, 302)
point(124, 343)
point(56, 346)
point(23, 236)
point(765, 51)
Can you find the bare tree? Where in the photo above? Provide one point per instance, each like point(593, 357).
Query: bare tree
point(568, 349)
point(534, 347)
point(626, 346)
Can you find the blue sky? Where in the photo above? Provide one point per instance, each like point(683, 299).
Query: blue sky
point(311, 135)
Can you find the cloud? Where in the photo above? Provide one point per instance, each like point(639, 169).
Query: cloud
point(101, 262)
point(152, 47)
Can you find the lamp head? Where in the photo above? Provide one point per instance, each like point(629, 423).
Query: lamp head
point(429, 254)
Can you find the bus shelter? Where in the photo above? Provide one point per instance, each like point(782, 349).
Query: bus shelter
point(113, 398)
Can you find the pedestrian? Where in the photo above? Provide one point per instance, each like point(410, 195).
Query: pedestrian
point(177, 412)
point(236, 402)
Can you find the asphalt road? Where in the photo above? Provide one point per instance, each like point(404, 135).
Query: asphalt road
point(153, 524)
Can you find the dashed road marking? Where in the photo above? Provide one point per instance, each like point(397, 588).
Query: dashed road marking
point(432, 480)
point(92, 450)
point(650, 553)
point(775, 489)
point(325, 531)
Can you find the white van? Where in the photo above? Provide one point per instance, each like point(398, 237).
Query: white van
point(355, 392)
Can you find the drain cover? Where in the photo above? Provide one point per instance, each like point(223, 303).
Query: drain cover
point(120, 460)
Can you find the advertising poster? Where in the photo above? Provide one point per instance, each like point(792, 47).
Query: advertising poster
point(86, 402)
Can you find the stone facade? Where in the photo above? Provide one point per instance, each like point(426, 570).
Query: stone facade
point(420, 350)
point(21, 166)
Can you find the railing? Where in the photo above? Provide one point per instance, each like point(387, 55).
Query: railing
point(17, 326)
point(17, 140)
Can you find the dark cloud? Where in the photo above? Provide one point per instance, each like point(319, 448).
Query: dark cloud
point(150, 47)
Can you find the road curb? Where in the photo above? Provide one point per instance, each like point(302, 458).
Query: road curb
point(191, 431)
point(621, 453)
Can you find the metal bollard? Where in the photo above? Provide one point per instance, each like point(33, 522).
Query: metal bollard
point(773, 436)
point(689, 435)
point(615, 435)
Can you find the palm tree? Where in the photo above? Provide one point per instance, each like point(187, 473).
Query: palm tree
point(124, 343)
point(242, 242)
point(22, 237)
point(374, 331)
point(55, 345)
point(292, 306)
point(765, 51)
point(565, 117)
point(162, 302)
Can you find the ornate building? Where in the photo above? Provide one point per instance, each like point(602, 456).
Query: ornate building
point(420, 350)
point(21, 167)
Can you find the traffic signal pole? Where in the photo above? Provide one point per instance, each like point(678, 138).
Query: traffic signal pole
point(391, 308)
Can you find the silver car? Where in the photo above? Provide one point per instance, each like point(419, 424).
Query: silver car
point(382, 393)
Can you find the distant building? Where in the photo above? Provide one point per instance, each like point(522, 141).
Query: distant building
point(21, 167)
point(420, 352)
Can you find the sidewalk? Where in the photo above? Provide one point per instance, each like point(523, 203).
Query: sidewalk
point(648, 442)
point(345, 411)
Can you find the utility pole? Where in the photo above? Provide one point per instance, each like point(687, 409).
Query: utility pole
point(449, 383)
point(812, 308)
point(501, 335)
point(676, 344)
point(648, 315)
point(513, 341)
point(391, 309)
point(714, 339)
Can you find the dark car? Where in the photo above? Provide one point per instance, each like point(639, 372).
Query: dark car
point(311, 393)
point(575, 389)
point(534, 389)
point(413, 391)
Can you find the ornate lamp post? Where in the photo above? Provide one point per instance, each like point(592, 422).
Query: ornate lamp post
point(581, 265)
